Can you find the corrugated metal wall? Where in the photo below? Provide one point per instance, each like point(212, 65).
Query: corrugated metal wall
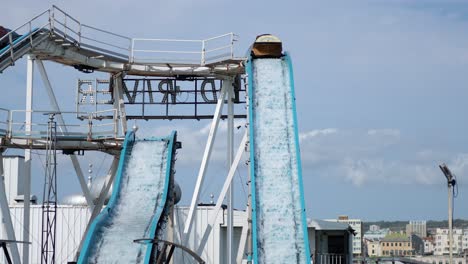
point(13, 167)
point(71, 224)
point(72, 221)
point(215, 249)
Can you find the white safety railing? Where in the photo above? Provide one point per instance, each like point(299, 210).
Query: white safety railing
point(132, 50)
point(94, 127)
point(35, 25)
point(330, 258)
point(200, 52)
point(86, 36)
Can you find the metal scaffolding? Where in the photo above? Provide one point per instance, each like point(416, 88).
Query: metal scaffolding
point(49, 204)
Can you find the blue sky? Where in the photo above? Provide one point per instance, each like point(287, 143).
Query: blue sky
point(381, 92)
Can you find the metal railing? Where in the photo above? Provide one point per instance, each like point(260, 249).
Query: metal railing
point(132, 50)
point(330, 258)
point(91, 128)
point(190, 51)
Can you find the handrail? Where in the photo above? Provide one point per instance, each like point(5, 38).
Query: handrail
point(168, 40)
point(64, 25)
point(65, 13)
point(105, 128)
point(218, 37)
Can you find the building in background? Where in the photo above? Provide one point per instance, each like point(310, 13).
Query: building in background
point(374, 228)
point(417, 243)
point(376, 235)
point(330, 242)
point(13, 167)
point(396, 245)
point(465, 241)
point(356, 225)
point(441, 240)
point(373, 247)
point(417, 228)
point(428, 245)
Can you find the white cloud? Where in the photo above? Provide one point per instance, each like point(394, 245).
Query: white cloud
point(363, 157)
point(384, 132)
point(359, 172)
point(317, 132)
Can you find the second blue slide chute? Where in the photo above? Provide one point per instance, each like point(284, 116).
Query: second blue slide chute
point(138, 205)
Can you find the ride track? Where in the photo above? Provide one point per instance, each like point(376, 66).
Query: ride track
point(279, 229)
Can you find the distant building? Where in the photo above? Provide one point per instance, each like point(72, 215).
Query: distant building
point(417, 243)
point(330, 242)
point(416, 228)
point(356, 225)
point(428, 245)
point(465, 241)
point(396, 245)
point(376, 235)
point(442, 241)
point(374, 228)
point(373, 247)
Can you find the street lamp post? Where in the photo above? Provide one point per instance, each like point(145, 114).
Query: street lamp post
point(451, 181)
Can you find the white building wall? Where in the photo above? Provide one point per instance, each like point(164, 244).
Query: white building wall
point(71, 224)
point(13, 167)
point(373, 248)
point(442, 241)
point(428, 247)
point(465, 240)
point(215, 248)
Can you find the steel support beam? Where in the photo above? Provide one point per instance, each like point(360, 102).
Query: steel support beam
point(243, 241)
point(249, 198)
point(230, 157)
point(61, 122)
point(450, 215)
point(223, 193)
point(204, 164)
point(6, 216)
point(27, 156)
point(119, 103)
point(102, 198)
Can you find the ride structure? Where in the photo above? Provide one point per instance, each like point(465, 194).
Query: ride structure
point(205, 74)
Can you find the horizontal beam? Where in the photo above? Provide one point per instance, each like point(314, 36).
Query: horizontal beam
point(111, 146)
point(177, 103)
point(180, 117)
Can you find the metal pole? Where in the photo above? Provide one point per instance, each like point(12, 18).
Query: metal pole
point(249, 198)
point(222, 195)
point(119, 103)
point(230, 156)
point(450, 222)
point(204, 164)
point(27, 157)
point(243, 239)
point(6, 216)
point(49, 200)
